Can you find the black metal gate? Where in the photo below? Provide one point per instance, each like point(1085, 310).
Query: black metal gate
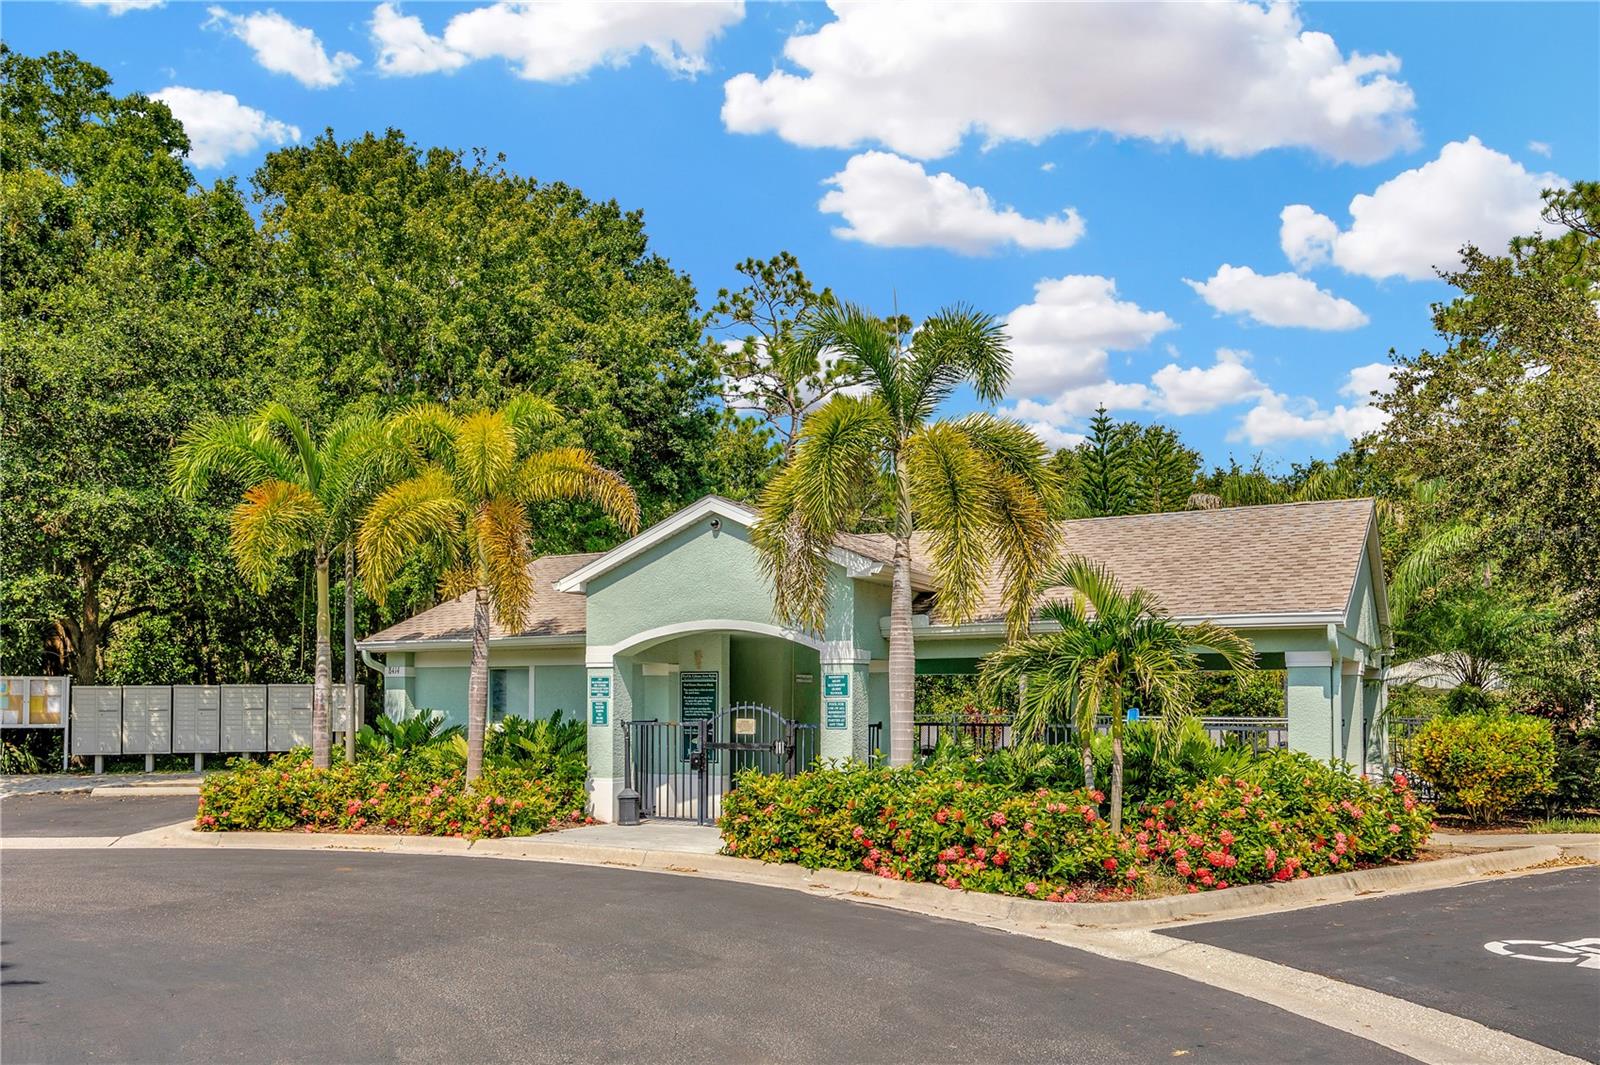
point(682, 769)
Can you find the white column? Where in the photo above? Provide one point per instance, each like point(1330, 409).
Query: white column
point(845, 710)
point(605, 717)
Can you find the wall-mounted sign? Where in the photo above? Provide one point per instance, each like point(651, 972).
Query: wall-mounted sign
point(744, 726)
point(599, 711)
point(836, 685)
point(697, 693)
point(836, 713)
point(600, 686)
point(804, 678)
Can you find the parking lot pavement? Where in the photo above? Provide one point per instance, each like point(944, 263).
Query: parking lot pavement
point(258, 956)
point(79, 814)
point(1521, 954)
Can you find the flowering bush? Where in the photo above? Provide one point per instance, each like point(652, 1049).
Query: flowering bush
point(413, 794)
point(1286, 816)
point(1487, 764)
point(929, 824)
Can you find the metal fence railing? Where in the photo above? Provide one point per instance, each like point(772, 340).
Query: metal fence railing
point(1401, 733)
point(995, 733)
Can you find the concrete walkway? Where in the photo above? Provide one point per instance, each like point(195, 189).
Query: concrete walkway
point(117, 783)
point(1495, 841)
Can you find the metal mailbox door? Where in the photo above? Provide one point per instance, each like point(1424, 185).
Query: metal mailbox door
point(196, 718)
point(146, 719)
point(288, 716)
point(244, 718)
point(96, 719)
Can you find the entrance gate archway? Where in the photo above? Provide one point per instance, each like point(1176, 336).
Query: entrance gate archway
point(682, 769)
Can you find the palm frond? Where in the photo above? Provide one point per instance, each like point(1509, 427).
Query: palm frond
point(855, 335)
point(572, 474)
point(216, 448)
point(533, 419)
point(1423, 565)
point(485, 453)
point(426, 432)
point(504, 551)
point(955, 345)
point(276, 417)
point(275, 520)
point(949, 494)
point(420, 511)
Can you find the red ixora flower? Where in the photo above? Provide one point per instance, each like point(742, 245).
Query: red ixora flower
point(1110, 865)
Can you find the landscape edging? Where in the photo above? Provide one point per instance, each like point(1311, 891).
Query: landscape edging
point(925, 898)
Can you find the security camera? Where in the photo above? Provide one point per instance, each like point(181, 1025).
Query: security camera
point(716, 524)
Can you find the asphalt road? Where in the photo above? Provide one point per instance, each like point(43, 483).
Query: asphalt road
point(1429, 948)
point(79, 814)
point(191, 956)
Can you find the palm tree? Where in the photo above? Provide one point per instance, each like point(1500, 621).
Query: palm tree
point(300, 496)
point(1114, 649)
point(977, 486)
point(474, 477)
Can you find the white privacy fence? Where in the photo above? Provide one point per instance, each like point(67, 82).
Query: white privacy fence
point(152, 719)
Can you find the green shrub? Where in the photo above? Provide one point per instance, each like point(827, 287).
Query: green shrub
point(1286, 816)
point(1577, 770)
point(17, 758)
point(928, 824)
point(385, 735)
point(1486, 764)
point(422, 793)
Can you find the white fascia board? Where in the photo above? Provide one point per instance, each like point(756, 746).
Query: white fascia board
point(855, 565)
point(927, 630)
point(425, 644)
point(708, 507)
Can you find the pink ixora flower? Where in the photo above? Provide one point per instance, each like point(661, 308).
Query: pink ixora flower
point(1394, 829)
point(1031, 888)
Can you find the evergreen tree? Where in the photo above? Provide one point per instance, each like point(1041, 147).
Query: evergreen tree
point(1105, 488)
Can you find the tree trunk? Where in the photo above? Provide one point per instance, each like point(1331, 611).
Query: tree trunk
point(478, 683)
point(87, 632)
point(322, 689)
point(902, 641)
point(353, 718)
point(1088, 763)
point(1116, 778)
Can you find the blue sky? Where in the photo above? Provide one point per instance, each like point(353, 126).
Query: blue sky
point(1221, 217)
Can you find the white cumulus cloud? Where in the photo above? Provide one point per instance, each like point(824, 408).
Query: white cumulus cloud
point(122, 7)
point(892, 202)
point(558, 40)
point(1232, 78)
point(1419, 219)
point(405, 47)
point(1276, 417)
point(219, 126)
point(1201, 389)
point(1060, 340)
point(283, 47)
point(1277, 299)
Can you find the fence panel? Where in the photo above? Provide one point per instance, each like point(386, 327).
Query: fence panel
point(1255, 733)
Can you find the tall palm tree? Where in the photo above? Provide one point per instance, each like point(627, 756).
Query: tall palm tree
point(978, 486)
point(473, 478)
point(1114, 649)
point(300, 496)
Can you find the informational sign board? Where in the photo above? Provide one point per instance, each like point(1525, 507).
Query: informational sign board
point(698, 691)
point(288, 716)
point(196, 718)
point(146, 719)
point(599, 686)
point(744, 726)
point(804, 678)
point(836, 713)
point(244, 718)
point(836, 685)
point(96, 720)
point(599, 711)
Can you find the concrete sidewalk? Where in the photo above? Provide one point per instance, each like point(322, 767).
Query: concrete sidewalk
point(116, 783)
point(1571, 842)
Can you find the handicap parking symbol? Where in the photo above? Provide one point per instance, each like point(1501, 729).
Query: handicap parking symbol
point(1584, 953)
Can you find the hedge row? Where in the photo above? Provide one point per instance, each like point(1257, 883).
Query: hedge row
point(413, 794)
point(1288, 816)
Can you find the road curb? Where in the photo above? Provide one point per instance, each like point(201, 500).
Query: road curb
point(927, 899)
point(140, 791)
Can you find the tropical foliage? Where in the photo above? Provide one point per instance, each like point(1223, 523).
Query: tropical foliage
point(1106, 650)
point(476, 480)
point(1486, 764)
point(976, 487)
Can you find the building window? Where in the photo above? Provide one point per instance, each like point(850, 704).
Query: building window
point(497, 694)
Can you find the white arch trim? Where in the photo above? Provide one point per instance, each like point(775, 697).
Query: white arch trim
point(603, 654)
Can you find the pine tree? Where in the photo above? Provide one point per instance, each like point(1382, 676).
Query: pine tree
point(1163, 471)
point(1106, 488)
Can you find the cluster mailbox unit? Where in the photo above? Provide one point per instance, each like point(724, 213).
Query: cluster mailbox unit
point(197, 719)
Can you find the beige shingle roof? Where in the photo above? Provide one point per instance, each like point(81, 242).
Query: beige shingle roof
point(551, 613)
point(1291, 558)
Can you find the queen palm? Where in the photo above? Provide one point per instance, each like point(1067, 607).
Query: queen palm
point(473, 478)
point(1110, 649)
point(300, 496)
point(976, 487)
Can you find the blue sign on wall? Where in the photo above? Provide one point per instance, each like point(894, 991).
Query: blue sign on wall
point(836, 685)
point(836, 713)
point(599, 712)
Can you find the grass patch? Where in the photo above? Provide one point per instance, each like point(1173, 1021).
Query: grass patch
point(1567, 824)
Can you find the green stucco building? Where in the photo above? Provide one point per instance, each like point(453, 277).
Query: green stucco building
point(681, 615)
